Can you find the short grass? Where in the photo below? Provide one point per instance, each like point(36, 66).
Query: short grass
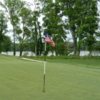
point(66, 79)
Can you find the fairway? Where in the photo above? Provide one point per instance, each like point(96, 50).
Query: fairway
point(71, 79)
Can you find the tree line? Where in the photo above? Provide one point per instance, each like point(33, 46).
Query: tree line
point(79, 18)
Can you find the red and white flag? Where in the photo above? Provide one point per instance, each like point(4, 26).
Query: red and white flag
point(49, 41)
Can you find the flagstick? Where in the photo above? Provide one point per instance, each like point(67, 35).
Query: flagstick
point(44, 74)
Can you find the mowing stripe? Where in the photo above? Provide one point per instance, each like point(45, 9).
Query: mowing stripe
point(32, 60)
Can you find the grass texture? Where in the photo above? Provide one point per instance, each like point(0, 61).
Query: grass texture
point(66, 79)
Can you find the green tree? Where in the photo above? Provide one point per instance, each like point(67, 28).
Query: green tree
point(53, 23)
point(6, 44)
point(3, 27)
point(82, 21)
point(25, 31)
point(14, 7)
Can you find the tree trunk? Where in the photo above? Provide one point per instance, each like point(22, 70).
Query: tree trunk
point(21, 49)
point(35, 38)
point(40, 45)
point(14, 44)
point(79, 45)
point(74, 43)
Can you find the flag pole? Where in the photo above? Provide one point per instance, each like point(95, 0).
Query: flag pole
point(44, 69)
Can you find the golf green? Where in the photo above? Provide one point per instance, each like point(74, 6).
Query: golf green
point(68, 79)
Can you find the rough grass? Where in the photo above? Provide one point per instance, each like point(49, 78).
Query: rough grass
point(66, 79)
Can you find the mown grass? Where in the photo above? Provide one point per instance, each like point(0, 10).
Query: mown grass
point(66, 79)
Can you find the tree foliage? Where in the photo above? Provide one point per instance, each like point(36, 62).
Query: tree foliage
point(3, 28)
point(77, 17)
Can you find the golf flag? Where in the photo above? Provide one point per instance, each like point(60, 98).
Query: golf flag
point(49, 40)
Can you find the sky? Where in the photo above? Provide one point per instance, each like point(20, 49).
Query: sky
point(1, 0)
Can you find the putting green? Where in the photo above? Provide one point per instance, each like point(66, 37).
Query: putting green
point(69, 80)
